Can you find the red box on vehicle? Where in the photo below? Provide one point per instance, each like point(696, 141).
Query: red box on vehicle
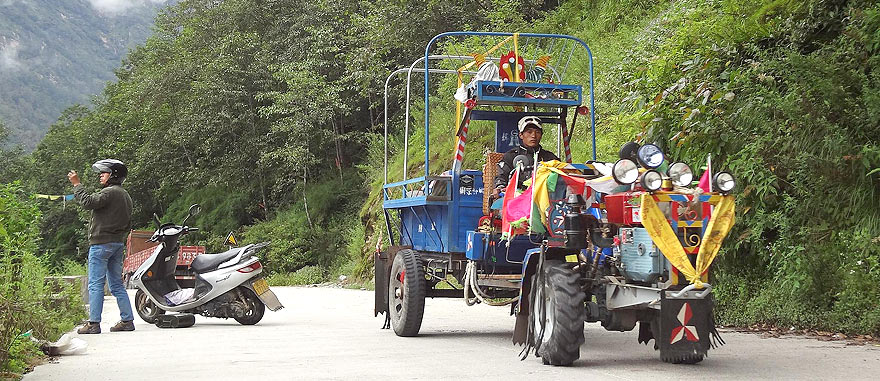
point(623, 208)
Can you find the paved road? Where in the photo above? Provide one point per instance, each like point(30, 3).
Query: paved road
point(328, 333)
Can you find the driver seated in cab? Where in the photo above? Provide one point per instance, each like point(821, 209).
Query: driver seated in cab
point(530, 133)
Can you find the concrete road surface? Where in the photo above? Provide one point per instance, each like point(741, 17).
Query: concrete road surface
point(329, 333)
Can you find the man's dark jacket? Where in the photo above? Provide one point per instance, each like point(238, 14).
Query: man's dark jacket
point(111, 213)
point(505, 166)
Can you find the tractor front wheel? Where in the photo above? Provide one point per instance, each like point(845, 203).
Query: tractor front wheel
point(406, 293)
point(557, 314)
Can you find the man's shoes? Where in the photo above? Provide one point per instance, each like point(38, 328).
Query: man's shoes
point(89, 328)
point(123, 326)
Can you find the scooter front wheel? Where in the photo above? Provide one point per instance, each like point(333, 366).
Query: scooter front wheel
point(146, 309)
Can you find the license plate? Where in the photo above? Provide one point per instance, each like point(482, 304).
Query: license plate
point(260, 286)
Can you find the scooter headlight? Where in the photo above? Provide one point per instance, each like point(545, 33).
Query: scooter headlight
point(724, 182)
point(625, 171)
point(680, 174)
point(652, 181)
point(650, 156)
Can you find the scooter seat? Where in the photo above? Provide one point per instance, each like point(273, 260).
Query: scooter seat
point(207, 262)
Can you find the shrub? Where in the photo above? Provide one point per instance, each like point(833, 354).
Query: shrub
point(26, 303)
point(316, 236)
point(304, 276)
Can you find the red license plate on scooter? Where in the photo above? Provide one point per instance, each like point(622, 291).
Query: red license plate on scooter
point(260, 286)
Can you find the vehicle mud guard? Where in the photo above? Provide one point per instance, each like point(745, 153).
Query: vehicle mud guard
point(687, 327)
point(382, 269)
point(530, 265)
point(268, 297)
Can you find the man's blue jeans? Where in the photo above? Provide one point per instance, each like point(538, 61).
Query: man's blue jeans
point(105, 263)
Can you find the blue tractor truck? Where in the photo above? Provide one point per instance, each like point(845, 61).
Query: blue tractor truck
point(563, 243)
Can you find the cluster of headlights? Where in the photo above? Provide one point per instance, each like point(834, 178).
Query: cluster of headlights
point(626, 171)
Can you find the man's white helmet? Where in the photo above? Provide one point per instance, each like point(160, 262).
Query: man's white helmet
point(529, 121)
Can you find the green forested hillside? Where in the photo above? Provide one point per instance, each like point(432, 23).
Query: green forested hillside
point(269, 113)
point(56, 53)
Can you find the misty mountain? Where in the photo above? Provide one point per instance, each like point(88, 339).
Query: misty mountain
point(57, 53)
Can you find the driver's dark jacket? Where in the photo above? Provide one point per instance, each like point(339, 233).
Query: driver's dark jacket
point(505, 166)
point(111, 213)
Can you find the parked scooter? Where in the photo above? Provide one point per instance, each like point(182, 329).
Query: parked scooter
point(227, 285)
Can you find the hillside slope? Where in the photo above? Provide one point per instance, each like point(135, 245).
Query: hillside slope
point(56, 53)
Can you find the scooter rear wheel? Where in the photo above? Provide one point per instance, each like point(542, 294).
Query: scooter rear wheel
point(256, 308)
point(146, 309)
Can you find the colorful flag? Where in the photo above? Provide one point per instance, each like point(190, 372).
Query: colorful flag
point(705, 180)
point(52, 197)
point(547, 179)
point(507, 228)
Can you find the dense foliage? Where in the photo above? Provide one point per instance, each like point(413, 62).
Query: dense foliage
point(271, 120)
point(26, 302)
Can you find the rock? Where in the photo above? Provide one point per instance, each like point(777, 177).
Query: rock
point(342, 278)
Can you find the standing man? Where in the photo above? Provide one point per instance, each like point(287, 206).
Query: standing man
point(111, 221)
point(530, 133)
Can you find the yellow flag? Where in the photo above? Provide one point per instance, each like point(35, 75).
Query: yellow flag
point(722, 220)
point(664, 237)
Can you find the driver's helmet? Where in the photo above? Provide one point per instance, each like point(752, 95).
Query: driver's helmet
point(529, 121)
point(115, 168)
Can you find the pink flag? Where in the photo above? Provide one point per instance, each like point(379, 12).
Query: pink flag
point(704, 181)
point(519, 207)
point(511, 209)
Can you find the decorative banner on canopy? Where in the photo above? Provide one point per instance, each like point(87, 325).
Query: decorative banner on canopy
point(512, 66)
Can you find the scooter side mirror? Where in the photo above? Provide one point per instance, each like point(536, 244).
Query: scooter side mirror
point(194, 210)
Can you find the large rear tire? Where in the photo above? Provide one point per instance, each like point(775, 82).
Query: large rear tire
point(255, 308)
point(406, 293)
point(557, 314)
point(146, 309)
